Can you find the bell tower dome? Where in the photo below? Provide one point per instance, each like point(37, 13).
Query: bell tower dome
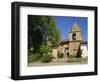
point(75, 33)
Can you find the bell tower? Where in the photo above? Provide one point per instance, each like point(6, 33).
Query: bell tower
point(75, 39)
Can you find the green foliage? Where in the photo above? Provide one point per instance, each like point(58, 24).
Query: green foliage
point(46, 58)
point(34, 31)
point(40, 30)
point(74, 60)
point(85, 59)
point(45, 49)
point(77, 60)
point(60, 55)
point(79, 53)
point(54, 33)
point(72, 56)
point(34, 57)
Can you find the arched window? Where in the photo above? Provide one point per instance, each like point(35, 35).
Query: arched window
point(74, 36)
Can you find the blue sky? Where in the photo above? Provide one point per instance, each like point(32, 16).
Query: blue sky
point(64, 24)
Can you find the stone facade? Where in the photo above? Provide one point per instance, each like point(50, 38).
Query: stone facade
point(73, 44)
point(73, 47)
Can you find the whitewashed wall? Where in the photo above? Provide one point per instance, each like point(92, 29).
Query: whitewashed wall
point(84, 51)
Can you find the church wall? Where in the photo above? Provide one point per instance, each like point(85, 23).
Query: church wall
point(54, 52)
point(73, 47)
point(62, 48)
point(84, 50)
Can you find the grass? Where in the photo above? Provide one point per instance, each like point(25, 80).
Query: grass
point(77, 60)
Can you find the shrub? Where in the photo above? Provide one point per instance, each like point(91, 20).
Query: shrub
point(45, 49)
point(77, 60)
point(79, 53)
point(46, 58)
point(85, 59)
point(34, 57)
point(74, 60)
point(60, 55)
point(31, 58)
point(72, 56)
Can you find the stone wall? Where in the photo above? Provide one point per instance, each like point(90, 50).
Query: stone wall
point(54, 52)
point(73, 47)
point(78, 36)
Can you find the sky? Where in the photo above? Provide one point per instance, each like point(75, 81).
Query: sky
point(64, 24)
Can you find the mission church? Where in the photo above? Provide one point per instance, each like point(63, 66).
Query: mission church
point(73, 45)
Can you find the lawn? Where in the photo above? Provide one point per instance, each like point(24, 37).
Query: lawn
point(77, 60)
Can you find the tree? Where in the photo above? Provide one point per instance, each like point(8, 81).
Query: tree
point(54, 33)
point(40, 30)
point(79, 53)
point(34, 33)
